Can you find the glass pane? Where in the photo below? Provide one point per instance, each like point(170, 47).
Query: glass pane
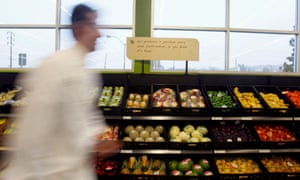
point(35, 43)
point(28, 12)
point(110, 49)
point(189, 13)
point(260, 52)
point(211, 51)
point(110, 12)
point(263, 14)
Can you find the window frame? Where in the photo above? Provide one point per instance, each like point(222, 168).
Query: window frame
point(227, 30)
point(58, 26)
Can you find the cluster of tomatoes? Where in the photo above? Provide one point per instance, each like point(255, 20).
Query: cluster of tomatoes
point(294, 96)
point(274, 133)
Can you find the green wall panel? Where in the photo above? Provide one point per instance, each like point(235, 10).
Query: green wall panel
point(142, 29)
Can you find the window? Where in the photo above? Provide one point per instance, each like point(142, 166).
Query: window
point(259, 52)
point(189, 13)
point(249, 35)
point(28, 12)
point(208, 42)
point(35, 43)
point(263, 14)
point(110, 50)
point(30, 28)
point(109, 11)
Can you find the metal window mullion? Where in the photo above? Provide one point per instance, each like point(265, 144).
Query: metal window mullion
point(227, 35)
point(191, 28)
point(264, 31)
point(26, 26)
point(57, 32)
point(297, 28)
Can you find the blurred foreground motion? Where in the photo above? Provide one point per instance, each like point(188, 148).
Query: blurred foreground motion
point(59, 126)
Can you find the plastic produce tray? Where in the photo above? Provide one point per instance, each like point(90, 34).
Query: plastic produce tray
point(275, 100)
point(107, 108)
point(239, 167)
point(234, 135)
point(251, 108)
point(281, 166)
point(139, 126)
point(143, 166)
point(221, 100)
point(193, 101)
point(180, 166)
point(162, 93)
point(293, 94)
point(140, 99)
point(184, 135)
point(274, 135)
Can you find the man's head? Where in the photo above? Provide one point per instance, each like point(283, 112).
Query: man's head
point(84, 26)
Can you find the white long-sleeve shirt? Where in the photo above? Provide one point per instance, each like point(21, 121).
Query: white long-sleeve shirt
point(59, 124)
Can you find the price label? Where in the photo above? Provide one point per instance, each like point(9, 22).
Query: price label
point(247, 118)
point(220, 151)
point(127, 151)
point(264, 150)
point(127, 117)
point(217, 118)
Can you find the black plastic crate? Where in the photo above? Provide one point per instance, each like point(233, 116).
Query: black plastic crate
point(190, 135)
point(143, 166)
point(250, 106)
point(165, 99)
point(276, 135)
point(138, 101)
point(275, 100)
point(193, 101)
point(104, 101)
point(108, 168)
point(191, 166)
point(234, 135)
point(281, 166)
point(221, 99)
point(239, 166)
point(291, 93)
point(10, 95)
point(141, 129)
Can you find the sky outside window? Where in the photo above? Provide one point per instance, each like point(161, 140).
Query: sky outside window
point(258, 50)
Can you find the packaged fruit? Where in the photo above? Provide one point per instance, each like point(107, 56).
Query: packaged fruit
point(111, 96)
point(136, 100)
point(192, 98)
point(164, 97)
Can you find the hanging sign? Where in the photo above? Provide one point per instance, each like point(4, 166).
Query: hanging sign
point(147, 48)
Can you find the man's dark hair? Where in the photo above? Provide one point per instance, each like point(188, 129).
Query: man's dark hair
point(80, 11)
